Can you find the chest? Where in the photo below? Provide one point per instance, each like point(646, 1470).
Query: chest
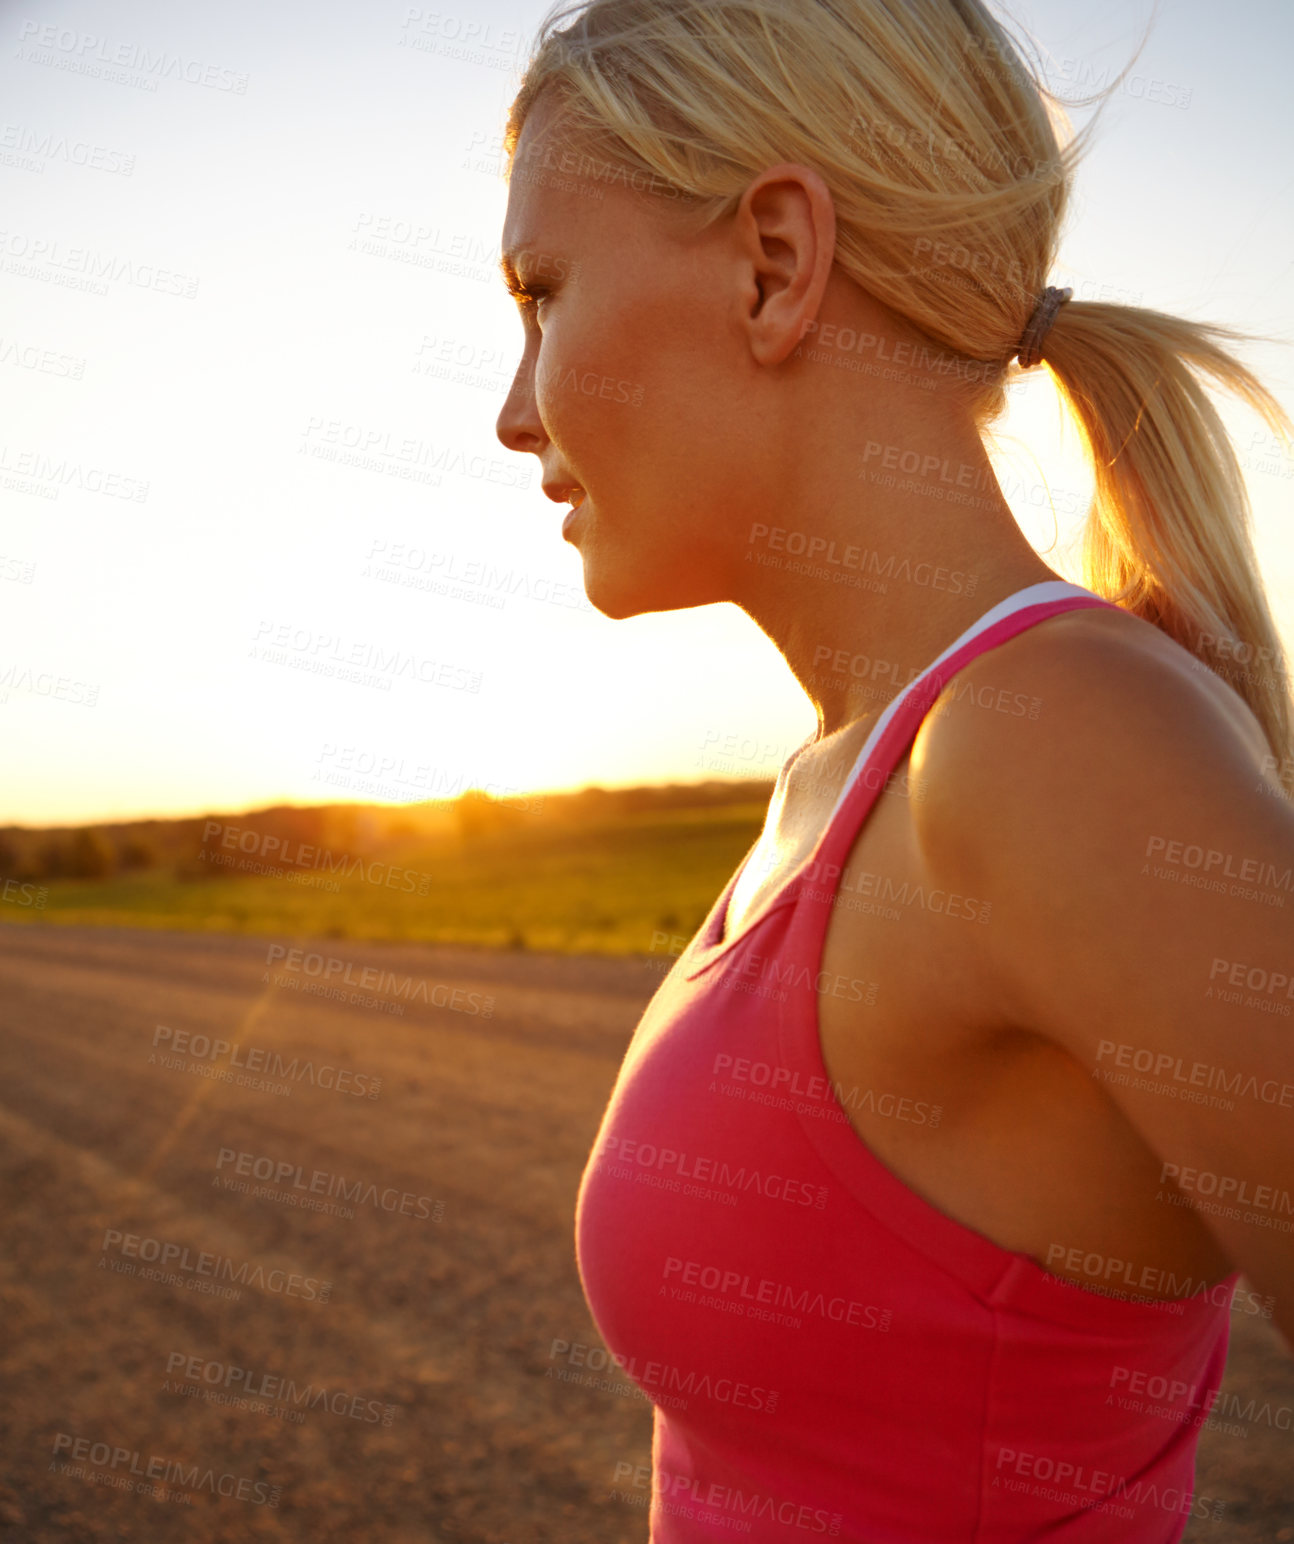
point(992, 1124)
point(887, 937)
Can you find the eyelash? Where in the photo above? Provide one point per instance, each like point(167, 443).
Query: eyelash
point(528, 296)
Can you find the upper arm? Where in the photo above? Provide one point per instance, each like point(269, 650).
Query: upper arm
point(1140, 868)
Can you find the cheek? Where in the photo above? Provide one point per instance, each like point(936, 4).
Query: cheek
point(677, 356)
point(637, 399)
point(592, 395)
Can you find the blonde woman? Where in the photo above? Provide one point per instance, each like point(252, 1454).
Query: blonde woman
point(954, 1127)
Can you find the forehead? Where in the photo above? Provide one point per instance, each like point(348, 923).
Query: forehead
point(540, 204)
point(564, 201)
point(562, 198)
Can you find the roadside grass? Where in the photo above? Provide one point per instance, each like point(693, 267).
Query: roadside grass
point(602, 888)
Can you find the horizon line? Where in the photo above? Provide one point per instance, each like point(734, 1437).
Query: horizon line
point(563, 791)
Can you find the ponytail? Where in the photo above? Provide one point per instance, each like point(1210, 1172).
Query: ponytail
point(1169, 534)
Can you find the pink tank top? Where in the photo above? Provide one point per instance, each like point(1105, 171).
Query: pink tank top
point(825, 1351)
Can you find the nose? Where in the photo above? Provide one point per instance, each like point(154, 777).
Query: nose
point(519, 427)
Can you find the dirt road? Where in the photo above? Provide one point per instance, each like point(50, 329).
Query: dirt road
point(309, 1258)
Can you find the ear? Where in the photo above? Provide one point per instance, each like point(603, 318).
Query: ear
point(786, 231)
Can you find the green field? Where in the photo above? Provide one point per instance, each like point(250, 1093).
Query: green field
point(598, 888)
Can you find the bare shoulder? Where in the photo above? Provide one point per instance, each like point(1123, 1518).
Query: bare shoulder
point(1091, 713)
point(1106, 653)
point(1100, 789)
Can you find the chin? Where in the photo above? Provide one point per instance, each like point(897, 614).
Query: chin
point(618, 604)
point(637, 595)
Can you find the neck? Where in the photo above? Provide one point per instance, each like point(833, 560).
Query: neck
point(864, 585)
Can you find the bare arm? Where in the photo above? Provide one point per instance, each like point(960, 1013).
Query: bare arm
point(1140, 865)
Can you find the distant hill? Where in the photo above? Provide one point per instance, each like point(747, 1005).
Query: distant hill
point(324, 836)
point(601, 870)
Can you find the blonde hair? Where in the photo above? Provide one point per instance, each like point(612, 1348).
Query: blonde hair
point(943, 153)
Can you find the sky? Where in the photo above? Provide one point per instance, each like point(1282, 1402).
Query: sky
point(264, 439)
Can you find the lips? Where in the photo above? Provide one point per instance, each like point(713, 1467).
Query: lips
point(561, 493)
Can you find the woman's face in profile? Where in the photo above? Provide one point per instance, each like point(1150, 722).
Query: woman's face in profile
point(629, 385)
